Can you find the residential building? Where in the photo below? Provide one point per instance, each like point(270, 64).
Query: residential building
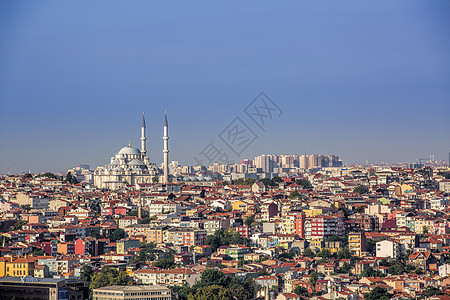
point(357, 243)
point(132, 292)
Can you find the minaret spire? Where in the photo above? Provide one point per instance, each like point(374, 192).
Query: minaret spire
point(143, 138)
point(166, 149)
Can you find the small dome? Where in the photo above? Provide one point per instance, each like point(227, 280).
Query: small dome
point(119, 169)
point(114, 162)
point(129, 150)
point(136, 162)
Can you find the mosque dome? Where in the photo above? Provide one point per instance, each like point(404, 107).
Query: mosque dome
point(136, 162)
point(129, 150)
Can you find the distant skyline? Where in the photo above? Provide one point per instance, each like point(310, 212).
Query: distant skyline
point(361, 80)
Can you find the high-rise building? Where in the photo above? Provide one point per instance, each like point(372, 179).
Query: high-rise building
point(303, 162)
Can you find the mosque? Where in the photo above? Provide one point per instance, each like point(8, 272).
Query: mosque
point(131, 165)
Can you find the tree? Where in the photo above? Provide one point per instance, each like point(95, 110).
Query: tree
point(109, 276)
point(26, 207)
point(117, 234)
point(71, 179)
point(47, 175)
point(165, 263)
point(18, 225)
point(312, 280)
point(27, 176)
point(446, 175)
point(146, 253)
point(345, 268)
point(294, 195)
point(344, 253)
point(378, 293)
point(286, 256)
point(308, 252)
point(222, 237)
point(305, 183)
point(431, 291)
point(361, 189)
point(370, 272)
point(213, 292)
point(249, 220)
point(213, 277)
point(38, 252)
point(133, 213)
point(155, 179)
point(249, 181)
point(86, 274)
point(424, 230)
point(301, 291)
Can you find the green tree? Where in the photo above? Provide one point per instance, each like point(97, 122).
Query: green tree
point(431, 291)
point(133, 213)
point(70, 178)
point(167, 263)
point(222, 237)
point(47, 175)
point(370, 272)
point(147, 253)
point(308, 252)
point(249, 181)
point(86, 274)
point(213, 292)
point(109, 276)
point(18, 225)
point(27, 176)
point(344, 253)
point(294, 195)
point(26, 207)
point(345, 268)
point(249, 220)
point(285, 256)
point(446, 175)
point(38, 252)
point(213, 277)
point(117, 234)
point(155, 179)
point(305, 183)
point(301, 291)
point(361, 189)
point(378, 293)
point(312, 280)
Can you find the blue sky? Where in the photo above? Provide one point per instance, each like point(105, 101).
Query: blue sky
point(363, 80)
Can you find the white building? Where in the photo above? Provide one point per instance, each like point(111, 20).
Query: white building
point(390, 249)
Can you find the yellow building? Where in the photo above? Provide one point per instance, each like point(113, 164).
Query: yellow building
point(357, 243)
point(309, 213)
point(316, 244)
point(16, 267)
point(123, 245)
point(239, 205)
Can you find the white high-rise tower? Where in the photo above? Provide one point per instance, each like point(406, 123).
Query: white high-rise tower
point(143, 138)
point(166, 150)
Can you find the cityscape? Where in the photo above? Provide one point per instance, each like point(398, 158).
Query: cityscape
point(257, 152)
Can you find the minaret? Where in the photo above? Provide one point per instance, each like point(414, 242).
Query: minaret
point(166, 150)
point(143, 138)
